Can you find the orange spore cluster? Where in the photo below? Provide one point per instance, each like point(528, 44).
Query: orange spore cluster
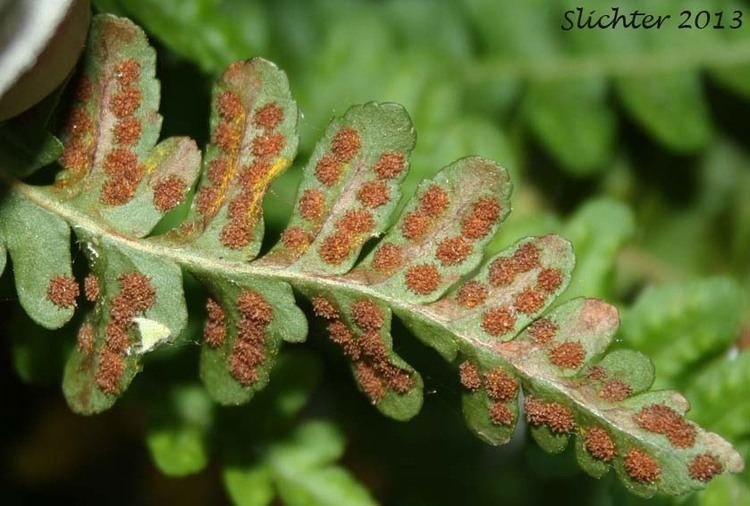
point(336, 247)
point(350, 231)
point(227, 136)
point(387, 257)
point(109, 370)
point(478, 223)
point(91, 287)
point(599, 444)
point(549, 279)
point(500, 414)
point(78, 123)
point(229, 105)
point(434, 201)
point(125, 102)
point(328, 170)
point(295, 238)
point(641, 466)
point(390, 165)
point(526, 257)
point(423, 279)
point(312, 204)
point(470, 377)
point(596, 373)
point(704, 467)
point(83, 89)
point(344, 146)
point(472, 294)
point(78, 136)
point(453, 251)
point(127, 72)
point(500, 385)
point(568, 355)
point(248, 349)
point(661, 419)
point(341, 335)
point(75, 157)
point(367, 315)
point(244, 210)
point(215, 329)
point(217, 170)
point(127, 131)
point(85, 338)
point(529, 301)
point(615, 390)
point(370, 381)
point(498, 321)
point(268, 116)
point(267, 145)
point(122, 167)
point(373, 194)
point(543, 331)
point(373, 369)
point(63, 291)
point(504, 269)
point(324, 308)
point(415, 225)
point(169, 193)
point(356, 221)
point(558, 418)
point(136, 295)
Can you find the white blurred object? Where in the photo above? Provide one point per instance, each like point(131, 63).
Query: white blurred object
point(40, 41)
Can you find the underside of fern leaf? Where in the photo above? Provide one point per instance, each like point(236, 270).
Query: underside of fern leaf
point(490, 318)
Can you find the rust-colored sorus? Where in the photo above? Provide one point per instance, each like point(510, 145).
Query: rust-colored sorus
point(373, 194)
point(704, 467)
point(641, 466)
point(526, 258)
point(387, 257)
point(453, 251)
point(336, 247)
point(324, 308)
point(268, 116)
point(542, 331)
point(478, 223)
point(169, 192)
point(599, 444)
point(498, 321)
point(295, 238)
point(341, 335)
point(662, 419)
point(502, 271)
point(500, 414)
point(615, 390)
point(214, 331)
point(549, 279)
point(568, 355)
point(472, 294)
point(500, 385)
point(433, 201)
point(529, 301)
point(390, 165)
point(470, 377)
point(415, 225)
point(367, 315)
point(63, 291)
point(423, 279)
point(312, 204)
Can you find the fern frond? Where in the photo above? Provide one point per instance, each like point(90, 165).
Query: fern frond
point(489, 318)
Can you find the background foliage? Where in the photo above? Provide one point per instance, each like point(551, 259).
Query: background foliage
point(631, 144)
